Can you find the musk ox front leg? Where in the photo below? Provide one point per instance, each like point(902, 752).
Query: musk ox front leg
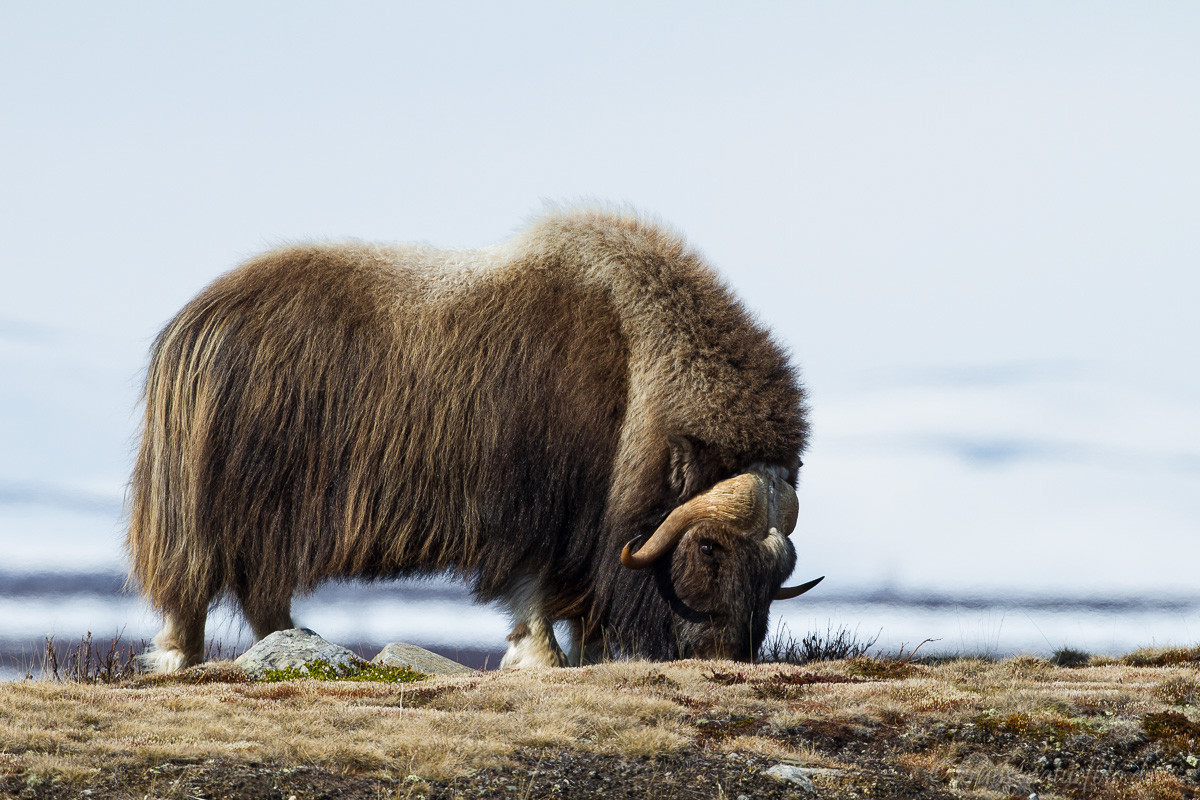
point(532, 642)
point(584, 650)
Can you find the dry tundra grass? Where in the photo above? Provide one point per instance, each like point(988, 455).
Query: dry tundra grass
point(963, 728)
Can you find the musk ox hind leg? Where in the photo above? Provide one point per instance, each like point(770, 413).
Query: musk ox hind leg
point(532, 642)
point(180, 643)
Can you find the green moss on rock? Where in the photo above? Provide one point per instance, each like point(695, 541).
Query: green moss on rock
point(356, 670)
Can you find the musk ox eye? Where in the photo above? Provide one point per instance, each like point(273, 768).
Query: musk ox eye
point(707, 549)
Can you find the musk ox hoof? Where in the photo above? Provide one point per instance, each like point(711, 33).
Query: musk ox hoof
point(163, 661)
point(514, 659)
point(532, 649)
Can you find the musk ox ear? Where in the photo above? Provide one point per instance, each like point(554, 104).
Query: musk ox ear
point(685, 466)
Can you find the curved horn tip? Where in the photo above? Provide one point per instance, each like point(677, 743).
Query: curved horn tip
point(788, 592)
point(630, 559)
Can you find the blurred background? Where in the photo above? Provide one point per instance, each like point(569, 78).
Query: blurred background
point(974, 225)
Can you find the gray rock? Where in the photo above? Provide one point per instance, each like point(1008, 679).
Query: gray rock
point(292, 648)
point(786, 773)
point(800, 776)
point(398, 654)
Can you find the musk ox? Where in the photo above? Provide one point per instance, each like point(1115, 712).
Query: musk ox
point(583, 423)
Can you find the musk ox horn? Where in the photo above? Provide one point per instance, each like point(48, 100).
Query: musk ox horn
point(788, 592)
point(783, 507)
point(740, 501)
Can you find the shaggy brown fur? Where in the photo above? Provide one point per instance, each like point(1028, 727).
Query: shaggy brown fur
point(512, 413)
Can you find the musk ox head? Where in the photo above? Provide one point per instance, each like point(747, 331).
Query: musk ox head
point(720, 559)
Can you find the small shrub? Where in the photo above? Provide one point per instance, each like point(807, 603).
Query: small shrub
point(836, 645)
point(89, 661)
point(728, 728)
point(353, 671)
point(206, 673)
point(1024, 725)
point(219, 651)
point(789, 686)
point(881, 668)
point(1173, 730)
point(725, 678)
point(995, 778)
point(973, 660)
point(1168, 724)
point(1162, 656)
point(653, 680)
point(1066, 657)
point(1178, 690)
point(1028, 668)
point(1163, 786)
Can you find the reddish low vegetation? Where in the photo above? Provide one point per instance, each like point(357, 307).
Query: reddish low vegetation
point(861, 726)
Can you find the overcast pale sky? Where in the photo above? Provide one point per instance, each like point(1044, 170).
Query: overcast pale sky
point(975, 226)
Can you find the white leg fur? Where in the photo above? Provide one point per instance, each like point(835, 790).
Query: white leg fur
point(532, 642)
point(176, 646)
point(162, 661)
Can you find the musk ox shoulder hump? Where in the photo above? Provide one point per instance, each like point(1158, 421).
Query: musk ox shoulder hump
point(698, 356)
point(699, 363)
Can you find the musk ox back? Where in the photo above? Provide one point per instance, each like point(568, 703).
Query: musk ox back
point(583, 423)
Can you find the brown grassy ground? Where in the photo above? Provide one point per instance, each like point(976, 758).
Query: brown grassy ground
point(964, 728)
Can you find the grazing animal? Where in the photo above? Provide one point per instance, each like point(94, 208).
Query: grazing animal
point(583, 423)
